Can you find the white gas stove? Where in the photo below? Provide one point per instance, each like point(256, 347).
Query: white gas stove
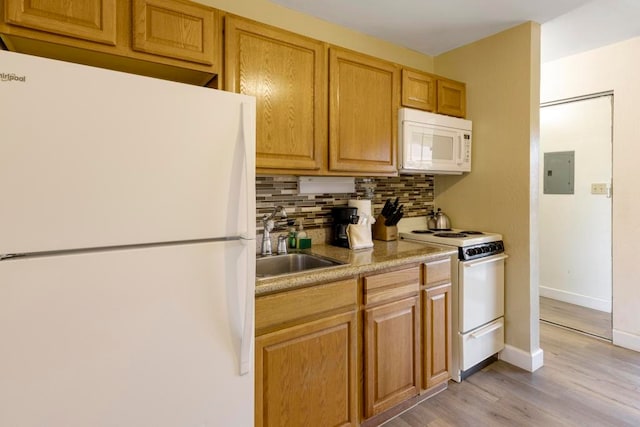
point(477, 280)
point(473, 244)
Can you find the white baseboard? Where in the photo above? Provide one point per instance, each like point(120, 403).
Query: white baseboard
point(626, 340)
point(577, 299)
point(522, 359)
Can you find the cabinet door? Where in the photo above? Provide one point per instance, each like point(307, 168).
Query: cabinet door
point(451, 97)
point(362, 113)
point(287, 74)
point(391, 340)
point(92, 20)
point(418, 90)
point(436, 335)
point(306, 375)
point(175, 29)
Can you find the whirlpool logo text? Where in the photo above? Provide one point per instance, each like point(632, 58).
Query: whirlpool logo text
point(10, 77)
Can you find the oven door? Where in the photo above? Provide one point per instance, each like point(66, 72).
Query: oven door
point(480, 291)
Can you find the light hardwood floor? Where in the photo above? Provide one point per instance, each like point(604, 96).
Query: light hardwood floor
point(584, 382)
point(572, 316)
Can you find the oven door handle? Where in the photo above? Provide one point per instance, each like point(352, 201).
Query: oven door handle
point(486, 331)
point(486, 260)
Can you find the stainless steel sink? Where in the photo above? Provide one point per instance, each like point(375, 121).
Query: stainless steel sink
point(276, 265)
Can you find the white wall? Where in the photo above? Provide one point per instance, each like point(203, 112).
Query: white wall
point(575, 229)
point(615, 67)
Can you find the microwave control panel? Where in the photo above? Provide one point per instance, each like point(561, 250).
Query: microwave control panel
point(466, 148)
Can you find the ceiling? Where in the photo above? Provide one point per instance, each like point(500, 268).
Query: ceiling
point(436, 26)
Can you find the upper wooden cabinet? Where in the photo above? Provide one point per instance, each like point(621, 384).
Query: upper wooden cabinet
point(362, 113)
point(451, 98)
point(170, 39)
point(174, 29)
point(429, 92)
point(92, 20)
point(287, 74)
point(418, 90)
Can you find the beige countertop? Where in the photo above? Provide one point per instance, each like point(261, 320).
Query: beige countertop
point(383, 255)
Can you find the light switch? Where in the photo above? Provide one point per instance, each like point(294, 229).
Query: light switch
point(600, 188)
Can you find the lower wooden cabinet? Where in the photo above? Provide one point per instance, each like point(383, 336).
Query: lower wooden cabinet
point(435, 298)
point(306, 357)
point(436, 335)
point(355, 351)
point(305, 375)
point(392, 351)
point(391, 339)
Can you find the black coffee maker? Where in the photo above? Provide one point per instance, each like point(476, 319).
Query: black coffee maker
point(342, 216)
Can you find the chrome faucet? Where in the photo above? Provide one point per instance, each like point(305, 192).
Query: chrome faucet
point(269, 224)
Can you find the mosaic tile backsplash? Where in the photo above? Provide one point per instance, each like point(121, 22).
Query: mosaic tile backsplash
point(414, 191)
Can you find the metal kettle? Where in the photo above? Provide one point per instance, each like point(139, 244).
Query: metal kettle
point(431, 221)
point(442, 220)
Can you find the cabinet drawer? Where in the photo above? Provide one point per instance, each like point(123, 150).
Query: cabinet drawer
point(391, 285)
point(288, 308)
point(477, 345)
point(437, 272)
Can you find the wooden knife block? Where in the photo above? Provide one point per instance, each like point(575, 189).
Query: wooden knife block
point(383, 232)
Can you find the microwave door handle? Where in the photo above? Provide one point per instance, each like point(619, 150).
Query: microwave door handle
point(459, 149)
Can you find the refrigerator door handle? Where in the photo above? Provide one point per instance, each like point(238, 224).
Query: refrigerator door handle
point(246, 359)
point(247, 134)
point(246, 355)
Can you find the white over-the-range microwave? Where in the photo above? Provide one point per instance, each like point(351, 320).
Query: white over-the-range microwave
point(433, 143)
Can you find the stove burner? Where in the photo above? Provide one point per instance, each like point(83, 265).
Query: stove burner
point(471, 232)
point(451, 235)
point(440, 229)
point(422, 231)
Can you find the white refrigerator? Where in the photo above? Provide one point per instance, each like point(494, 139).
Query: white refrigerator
point(127, 247)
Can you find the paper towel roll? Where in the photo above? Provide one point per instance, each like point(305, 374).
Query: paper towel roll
point(363, 205)
point(364, 211)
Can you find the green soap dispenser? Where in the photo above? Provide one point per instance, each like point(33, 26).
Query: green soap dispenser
point(303, 242)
